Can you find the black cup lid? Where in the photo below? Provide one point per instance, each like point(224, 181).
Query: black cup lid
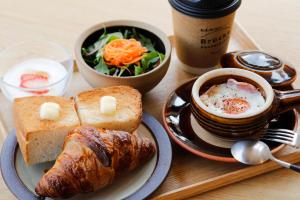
point(206, 8)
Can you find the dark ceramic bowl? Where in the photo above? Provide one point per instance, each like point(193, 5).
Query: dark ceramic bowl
point(241, 125)
point(276, 71)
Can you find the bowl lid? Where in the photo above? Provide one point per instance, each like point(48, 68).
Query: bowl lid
point(275, 70)
point(205, 8)
point(259, 60)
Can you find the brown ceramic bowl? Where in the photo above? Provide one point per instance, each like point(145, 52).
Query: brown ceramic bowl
point(275, 70)
point(243, 125)
point(144, 82)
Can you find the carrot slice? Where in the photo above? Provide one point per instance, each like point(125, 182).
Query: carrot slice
point(121, 52)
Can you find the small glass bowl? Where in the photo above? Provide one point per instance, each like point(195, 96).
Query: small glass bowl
point(37, 49)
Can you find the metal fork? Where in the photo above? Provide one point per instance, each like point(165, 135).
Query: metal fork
point(284, 136)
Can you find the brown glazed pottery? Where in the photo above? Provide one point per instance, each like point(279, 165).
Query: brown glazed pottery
point(144, 82)
point(185, 131)
point(277, 72)
point(243, 125)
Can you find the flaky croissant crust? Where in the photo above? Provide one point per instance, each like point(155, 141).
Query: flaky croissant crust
point(91, 159)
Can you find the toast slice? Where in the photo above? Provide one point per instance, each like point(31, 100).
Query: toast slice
point(41, 140)
point(128, 110)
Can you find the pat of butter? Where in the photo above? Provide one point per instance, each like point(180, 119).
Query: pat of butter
point(108, 105)
point(49, 111)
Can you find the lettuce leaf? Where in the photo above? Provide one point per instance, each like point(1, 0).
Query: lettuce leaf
point(102, 67)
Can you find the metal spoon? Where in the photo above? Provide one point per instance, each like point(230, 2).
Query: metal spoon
point(252, 152)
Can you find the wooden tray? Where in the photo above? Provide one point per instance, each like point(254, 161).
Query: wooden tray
point(190, 175)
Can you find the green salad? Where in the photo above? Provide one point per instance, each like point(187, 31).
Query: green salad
point(122, 53)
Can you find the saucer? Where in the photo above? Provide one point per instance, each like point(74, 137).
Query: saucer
point(182, 127)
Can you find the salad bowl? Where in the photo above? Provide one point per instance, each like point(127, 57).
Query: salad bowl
point(145, 74)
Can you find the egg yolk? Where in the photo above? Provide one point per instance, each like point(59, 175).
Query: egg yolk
point(235, 105)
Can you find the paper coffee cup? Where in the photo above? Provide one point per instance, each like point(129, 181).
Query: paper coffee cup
point(202, 31)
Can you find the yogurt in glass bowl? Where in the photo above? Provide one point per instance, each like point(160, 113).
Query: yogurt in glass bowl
point(35, 68)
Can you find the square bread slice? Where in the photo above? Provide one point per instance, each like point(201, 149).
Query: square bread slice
point(128, 110)
point(42, 140)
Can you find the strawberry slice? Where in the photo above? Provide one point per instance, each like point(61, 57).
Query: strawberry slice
point(28, 77)
point(34, 80)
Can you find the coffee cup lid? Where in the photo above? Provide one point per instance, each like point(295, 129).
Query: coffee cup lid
point(205, 8)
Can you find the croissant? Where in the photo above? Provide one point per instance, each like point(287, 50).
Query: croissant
point(91, 159)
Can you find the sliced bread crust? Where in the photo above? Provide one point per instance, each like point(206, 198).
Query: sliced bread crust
point(128, 113)
point(42, 140)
